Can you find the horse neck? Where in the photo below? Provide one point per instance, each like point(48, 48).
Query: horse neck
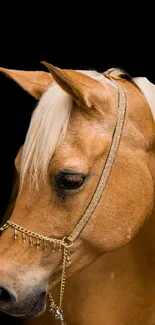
point(143, 245)
point(142, 248)
point(144, 242)
point(139, 253)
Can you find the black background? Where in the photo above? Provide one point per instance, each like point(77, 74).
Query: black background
point(86, 49)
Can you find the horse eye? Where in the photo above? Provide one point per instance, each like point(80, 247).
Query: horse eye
point(69, 181)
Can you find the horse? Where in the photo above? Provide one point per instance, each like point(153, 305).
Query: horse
point(79, 236)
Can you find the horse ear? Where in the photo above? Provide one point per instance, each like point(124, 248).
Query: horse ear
point(83, 88)
point(34, 82)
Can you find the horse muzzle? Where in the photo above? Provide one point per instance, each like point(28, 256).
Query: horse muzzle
point(33, 304)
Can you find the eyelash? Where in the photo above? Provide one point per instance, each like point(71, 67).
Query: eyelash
point(69, 182)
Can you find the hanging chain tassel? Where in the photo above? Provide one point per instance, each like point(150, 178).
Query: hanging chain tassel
point(68, 259)
point(60, 247)
point(30, 241)
point(38, 243)
point(45, 245)
point(15, 234)
point(54, 247)
point(23, 237)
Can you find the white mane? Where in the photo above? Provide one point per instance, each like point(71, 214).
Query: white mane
point(47, 128)
point(148, 89)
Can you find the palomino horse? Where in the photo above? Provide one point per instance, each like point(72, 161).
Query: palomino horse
point(86, 188)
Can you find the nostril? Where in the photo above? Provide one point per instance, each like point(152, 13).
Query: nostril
point(43, 294)
point(5, 295)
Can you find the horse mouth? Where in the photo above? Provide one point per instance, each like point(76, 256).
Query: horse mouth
point(39, 306)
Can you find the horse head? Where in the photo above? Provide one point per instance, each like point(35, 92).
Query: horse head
point(60, 167)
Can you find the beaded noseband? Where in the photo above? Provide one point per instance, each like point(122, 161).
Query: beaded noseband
point(65, 243)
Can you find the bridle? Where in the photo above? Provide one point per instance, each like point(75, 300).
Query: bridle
point(65, 243)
